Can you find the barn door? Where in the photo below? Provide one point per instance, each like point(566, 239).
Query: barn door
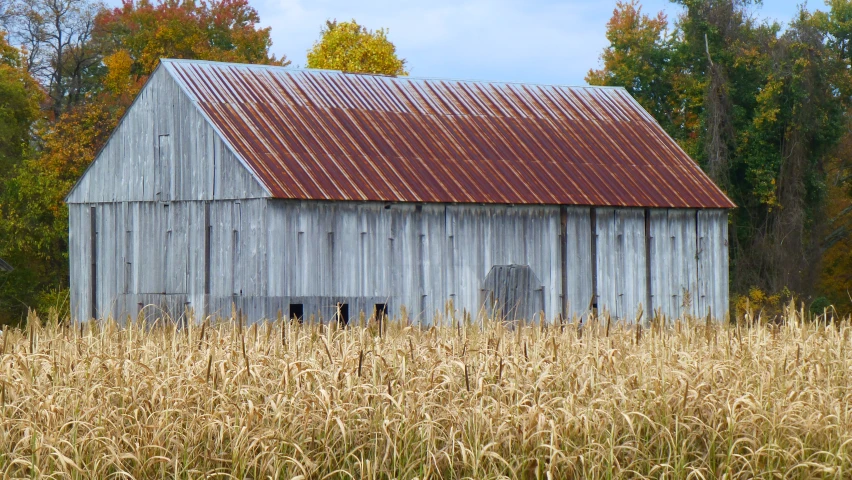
point(512, 292)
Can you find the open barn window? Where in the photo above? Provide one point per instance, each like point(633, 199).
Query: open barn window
point(380, 311)
point(297, 312)
point(341, 313)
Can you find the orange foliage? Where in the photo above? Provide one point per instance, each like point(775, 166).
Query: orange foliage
point(224, 30)
point(633, 38)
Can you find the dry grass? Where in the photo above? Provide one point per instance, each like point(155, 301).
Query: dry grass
point(478, 401)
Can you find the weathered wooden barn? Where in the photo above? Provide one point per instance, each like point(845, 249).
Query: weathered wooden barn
point(298, 192)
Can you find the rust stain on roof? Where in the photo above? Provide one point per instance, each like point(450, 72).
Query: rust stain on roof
point(323, 135)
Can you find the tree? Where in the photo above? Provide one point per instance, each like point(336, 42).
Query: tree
point(136, 35)
point(129, 41)
point(19, 108)
point(34, 236)
point(56, 35)
point(349, 47)
point(836, 262)
point(637, 58)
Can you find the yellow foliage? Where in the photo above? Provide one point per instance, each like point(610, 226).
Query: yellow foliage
point(118, 78)
point(756, 295)
point(349, 47)
point(758, 302)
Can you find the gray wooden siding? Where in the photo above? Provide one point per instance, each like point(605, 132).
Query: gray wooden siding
point(143, 249)
point(165, 150)
point(419, 257)
point(621, 262)
point(578, 252)
point(713, 263)
point(267, 254)
point(673, 259)
point(80, 281)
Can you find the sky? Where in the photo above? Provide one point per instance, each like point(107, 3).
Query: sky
point(534, 41)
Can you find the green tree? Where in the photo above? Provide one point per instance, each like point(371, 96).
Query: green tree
point(19, 110)
point(130, 40)
point(638, 58)
point(35, 233)
point(349, 47)
point(19, 107)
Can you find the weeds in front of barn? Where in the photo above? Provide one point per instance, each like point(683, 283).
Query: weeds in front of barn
point(476, 400)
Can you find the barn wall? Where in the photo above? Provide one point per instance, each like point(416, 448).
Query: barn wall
point(266, 254)
point(164, 150)
point(78, 258)
point(621, 261)
point(143, 250)
point(417, 256)
point(713, 263)
point(689, 259)
point(578, 264)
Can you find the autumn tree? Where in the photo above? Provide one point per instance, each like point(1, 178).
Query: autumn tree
point(136, 35)
point(638, 58)
point(350, 47)
point(835, 280)
point(129, 41)
point(836, 274)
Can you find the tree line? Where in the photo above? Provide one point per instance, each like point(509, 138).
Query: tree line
point(68, 71)
point(762, 107)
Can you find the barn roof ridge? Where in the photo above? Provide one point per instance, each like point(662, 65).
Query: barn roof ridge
point(381, 75)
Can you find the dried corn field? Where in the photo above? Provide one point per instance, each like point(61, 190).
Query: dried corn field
point(282, 400)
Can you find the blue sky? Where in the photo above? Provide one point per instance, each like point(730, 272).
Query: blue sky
point(538, 41)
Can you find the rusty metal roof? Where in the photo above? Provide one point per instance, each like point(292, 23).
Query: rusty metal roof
point(325, 135)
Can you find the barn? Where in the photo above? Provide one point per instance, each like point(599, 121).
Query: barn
point(278, 191)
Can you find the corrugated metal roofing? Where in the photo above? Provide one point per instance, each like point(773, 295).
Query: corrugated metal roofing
point(324, 135)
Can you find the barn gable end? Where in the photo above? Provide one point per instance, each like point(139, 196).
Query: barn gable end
point(165, 149)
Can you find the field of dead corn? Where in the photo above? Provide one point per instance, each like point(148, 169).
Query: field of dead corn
point(283, 400)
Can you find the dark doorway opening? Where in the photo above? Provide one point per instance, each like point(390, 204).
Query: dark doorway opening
point(380, 311)
point(341, 313)
point(297, 312)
